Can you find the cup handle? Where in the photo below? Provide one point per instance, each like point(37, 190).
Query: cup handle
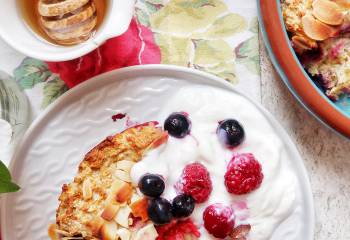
point(117, 20)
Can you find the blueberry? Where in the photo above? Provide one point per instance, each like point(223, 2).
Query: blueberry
point(178, 125)
point(159, 211)
point(152, 185)
point(230, 132)
point(183, 206)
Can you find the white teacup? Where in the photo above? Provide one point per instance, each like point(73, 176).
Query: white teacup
point(17, 34)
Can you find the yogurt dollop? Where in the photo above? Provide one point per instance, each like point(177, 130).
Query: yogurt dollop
point(265, 208)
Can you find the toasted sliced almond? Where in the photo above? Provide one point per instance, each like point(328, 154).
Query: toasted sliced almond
point(109, 231)
point(122, 217)
point(327, 12)
point(139, 209)
point(315, 29)
point(125, 165)
point(124, 194)
point(135, 197)
point(303, 43)
point(87, 189)
point(110, 211)
point(148, 232)
point(124, 176)
point(124, 234)
point(95, 226)
point(115, 187)
point(344, 4)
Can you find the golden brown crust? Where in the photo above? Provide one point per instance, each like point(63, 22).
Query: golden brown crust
point(79, 212)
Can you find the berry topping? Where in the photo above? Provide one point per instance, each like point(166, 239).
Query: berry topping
point(244, 174)
point(178, 230)
point(195, 181)
point(230, 132)
point(178, 125)
point(159, 211)
point(152, 185)
point(219, 220)
point(183, 206)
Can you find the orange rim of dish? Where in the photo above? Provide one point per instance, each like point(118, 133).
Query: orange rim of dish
point(291, 71)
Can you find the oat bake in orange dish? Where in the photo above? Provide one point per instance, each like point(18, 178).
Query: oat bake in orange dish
point(320, 34)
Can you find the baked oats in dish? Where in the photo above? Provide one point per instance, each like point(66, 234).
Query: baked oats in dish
point(320, 34)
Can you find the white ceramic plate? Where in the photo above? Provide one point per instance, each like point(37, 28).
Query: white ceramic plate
point(57, 141)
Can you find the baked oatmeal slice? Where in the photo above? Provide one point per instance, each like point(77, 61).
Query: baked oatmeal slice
point(101, 202)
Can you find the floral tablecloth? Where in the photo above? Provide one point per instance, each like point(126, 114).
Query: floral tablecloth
point(216, 36)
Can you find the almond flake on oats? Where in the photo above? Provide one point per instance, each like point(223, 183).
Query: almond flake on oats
point(109, 231)
point(148, 232)
point(110, 211)
point(95, 226)
point(124, 194)
point(124, 234)
point(87, 189)
point(124, 176)
point(122, 217)
point(327, 12)
point(344, 4)
point(316, 29)
point(303, 43)
point(125, 165)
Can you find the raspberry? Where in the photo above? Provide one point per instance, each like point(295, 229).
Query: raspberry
point(195, 181)
point(177, 230)
point(243, 174)
point(219, 220)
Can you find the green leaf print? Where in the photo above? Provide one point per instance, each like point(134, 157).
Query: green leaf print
point(216, 57)
point(212, 52)
point(225, 71)
point(185, 17)
point(174, 50)
point(156, 2)
point(142, 17)
point(53, 89)
point(225, 26)
point(195, 3)
point(254, 25)
point(31, 72)
point(145, 8)
point(247, 53)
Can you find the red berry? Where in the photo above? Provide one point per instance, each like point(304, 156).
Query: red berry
point(177, 230)
point(195, 181)
point(219, 220)
point(244, 174)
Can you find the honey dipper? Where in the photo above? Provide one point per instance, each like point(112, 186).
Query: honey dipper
point(68, 22)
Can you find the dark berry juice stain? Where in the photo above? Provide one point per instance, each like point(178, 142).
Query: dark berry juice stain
point(118, 116)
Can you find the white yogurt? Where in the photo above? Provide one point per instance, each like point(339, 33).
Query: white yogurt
point(266, 207)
